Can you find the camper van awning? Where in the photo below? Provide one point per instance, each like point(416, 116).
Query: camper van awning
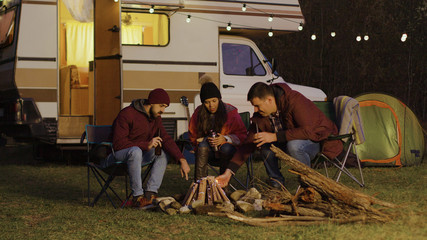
point(285, 15)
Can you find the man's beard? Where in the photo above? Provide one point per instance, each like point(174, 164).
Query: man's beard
point(154, 114)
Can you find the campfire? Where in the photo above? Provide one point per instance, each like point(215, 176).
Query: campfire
point(318, 200)
point(205, 191)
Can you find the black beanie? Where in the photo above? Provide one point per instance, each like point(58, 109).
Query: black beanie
point(209, 90)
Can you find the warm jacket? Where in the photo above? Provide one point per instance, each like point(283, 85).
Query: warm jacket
point(133, 127)
point(234, 127)
point(301, 119)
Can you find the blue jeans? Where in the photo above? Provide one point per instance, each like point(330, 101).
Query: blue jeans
point(302, 150)
point(135, 159)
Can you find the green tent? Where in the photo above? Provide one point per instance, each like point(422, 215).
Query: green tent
point(394, 136)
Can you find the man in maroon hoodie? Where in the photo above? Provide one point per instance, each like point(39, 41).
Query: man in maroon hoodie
point(137, 131)
point(288, 120)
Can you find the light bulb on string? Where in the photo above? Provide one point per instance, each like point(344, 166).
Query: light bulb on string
point(300, 27)
point(229, 26)
point(404, 37)
point(244, 7)
point(188, 18)
point(333, 34)
point(116, 0)
point(151, 9)
point(270, 33)
point(270, 18)
point(358, 38)
point(313, 37)
point(366, 37)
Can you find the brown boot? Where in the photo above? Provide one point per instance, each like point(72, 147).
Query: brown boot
point(140, 201)
point(201, 165)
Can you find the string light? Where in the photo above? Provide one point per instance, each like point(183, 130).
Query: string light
point(366, 37)
point(152, 9)
point(229, 26)
point(270, 33)
point(333, 34)
point(244, 7)
point(358, 38)
point(188, 18)
point(404, 37)
point(116, 0)
point(313, 37)
point(300, 27)
point(270, 19)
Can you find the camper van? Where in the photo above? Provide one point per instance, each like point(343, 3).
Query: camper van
point(54, 79)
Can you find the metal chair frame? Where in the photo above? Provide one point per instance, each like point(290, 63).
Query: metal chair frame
point(101, 135)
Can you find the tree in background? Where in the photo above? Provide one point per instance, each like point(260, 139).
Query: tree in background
point(341, 65)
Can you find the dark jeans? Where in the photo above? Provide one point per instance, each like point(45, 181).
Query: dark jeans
point(302, 150)
point(222, 157)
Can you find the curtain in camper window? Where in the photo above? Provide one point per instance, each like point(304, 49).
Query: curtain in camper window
point(132, 35)
point(145, 29)
point(79, 43)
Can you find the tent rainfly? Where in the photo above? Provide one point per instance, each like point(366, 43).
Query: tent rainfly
point(394, 136)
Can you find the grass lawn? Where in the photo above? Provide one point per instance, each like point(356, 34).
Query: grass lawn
point(49, 201)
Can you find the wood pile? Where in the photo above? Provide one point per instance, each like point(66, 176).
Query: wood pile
point(318, 200)
point(205, 196)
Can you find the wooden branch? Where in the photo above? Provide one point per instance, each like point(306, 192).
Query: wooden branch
point(222, 193)
point(193, 185)
point(191, 195)
point(329, 187)
point(202, 190)
point(292, 220)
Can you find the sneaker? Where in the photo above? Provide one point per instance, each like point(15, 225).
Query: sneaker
point(141, 201)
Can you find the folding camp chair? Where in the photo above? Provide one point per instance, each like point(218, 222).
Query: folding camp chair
point(99, 143)
point(350, 134)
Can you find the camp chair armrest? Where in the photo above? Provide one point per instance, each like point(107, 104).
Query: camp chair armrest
point(339, 137)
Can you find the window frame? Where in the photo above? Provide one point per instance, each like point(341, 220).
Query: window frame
point(147, 45)
point(252, 53)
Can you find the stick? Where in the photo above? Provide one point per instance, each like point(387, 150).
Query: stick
point(193, 191)
point(202, 190)
point(222, 193)
point(193, 185)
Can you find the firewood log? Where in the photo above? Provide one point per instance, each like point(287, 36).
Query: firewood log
point(330, 188)
point(202, 190)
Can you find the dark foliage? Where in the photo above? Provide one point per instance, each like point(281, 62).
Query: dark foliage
point(343, 66)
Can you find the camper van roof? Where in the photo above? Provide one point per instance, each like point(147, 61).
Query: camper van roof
point(285, 15)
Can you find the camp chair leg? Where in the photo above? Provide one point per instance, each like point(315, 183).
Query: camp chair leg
point(105, 184)
point(344, 161)
point(104, 190)
point(360, 169)
point(341, 167)
point(249, 172)
point(326, 169)
point(88, 185)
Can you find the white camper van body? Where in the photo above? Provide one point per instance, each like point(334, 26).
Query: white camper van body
point(194, 51)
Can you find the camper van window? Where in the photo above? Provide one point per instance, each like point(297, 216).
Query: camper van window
point(7, 27)
point(145, 29)
point(239, 59)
